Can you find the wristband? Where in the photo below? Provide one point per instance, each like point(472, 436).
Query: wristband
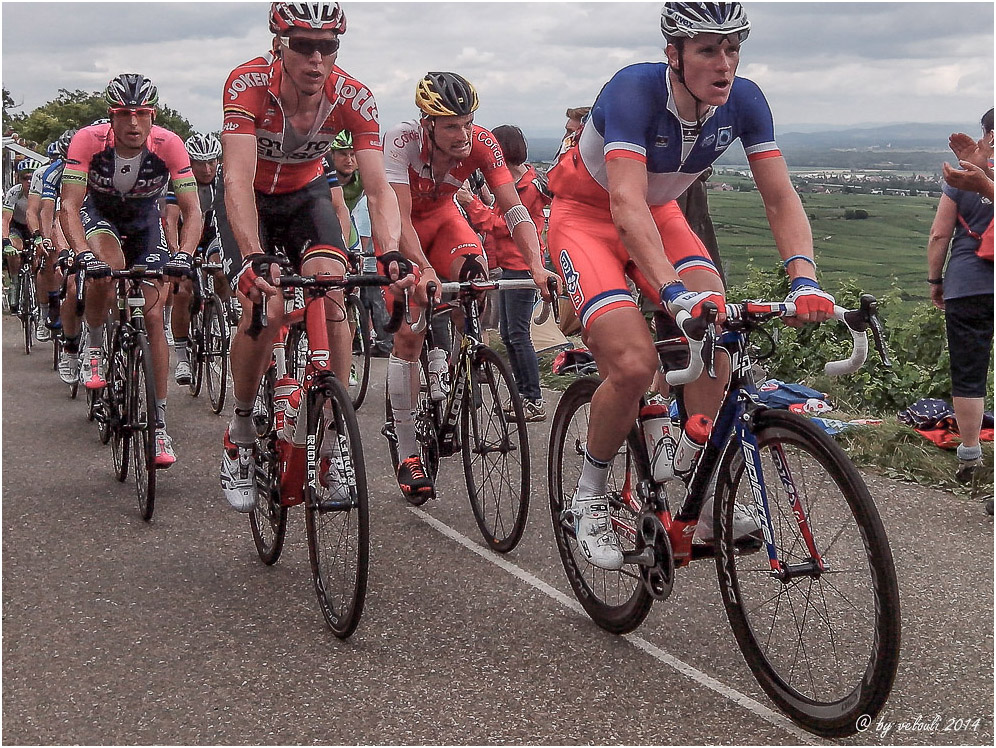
point(515, 215)
point(791, 259)
point(935, 281)
point(671, 290)
point(801, 282)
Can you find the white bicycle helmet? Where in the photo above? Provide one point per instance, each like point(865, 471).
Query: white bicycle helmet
point(203, 147)
point(691, 19)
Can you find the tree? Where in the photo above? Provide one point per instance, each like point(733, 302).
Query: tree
point(74, 109)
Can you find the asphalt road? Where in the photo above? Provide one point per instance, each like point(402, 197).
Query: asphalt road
point(117, 631)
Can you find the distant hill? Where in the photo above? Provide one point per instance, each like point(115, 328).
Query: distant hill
point(908, 146)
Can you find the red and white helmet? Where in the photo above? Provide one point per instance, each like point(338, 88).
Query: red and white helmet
point(315, 16)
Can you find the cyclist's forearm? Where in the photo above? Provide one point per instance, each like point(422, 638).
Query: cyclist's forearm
point(72, 226)
point(33, 213)
point(47, 219)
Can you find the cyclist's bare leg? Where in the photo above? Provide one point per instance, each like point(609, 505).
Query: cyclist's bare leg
point(68, 312)
point(250, 358)
point(180, 318)
point(100, 291)
point(221, 285)
point(624, 351)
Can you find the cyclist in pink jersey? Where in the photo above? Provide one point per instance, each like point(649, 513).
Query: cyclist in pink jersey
point(281, 115)
point(427, 162)
point(652, 130)
point(115, 174)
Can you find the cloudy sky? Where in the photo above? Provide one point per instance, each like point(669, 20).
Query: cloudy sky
point(830, 63)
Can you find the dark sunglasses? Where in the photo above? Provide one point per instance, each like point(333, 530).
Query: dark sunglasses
point(138, 111)
point(308, 47)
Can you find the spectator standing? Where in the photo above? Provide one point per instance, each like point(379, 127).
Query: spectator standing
point(964, 291)
point(515, 307)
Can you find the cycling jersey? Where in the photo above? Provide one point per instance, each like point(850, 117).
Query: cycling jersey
point(210, 196)
point(289, 160)
point(408, 153)
point(47, 181)
point(15, 200)
point(126, 191)
point(635, 117)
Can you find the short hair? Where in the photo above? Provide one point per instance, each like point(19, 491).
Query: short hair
point(512, 142)
point(578, 112)
point(987, 122)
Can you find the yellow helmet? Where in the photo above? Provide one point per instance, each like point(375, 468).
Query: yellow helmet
point(445, 95)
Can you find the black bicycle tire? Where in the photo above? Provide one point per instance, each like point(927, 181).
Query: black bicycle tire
point(268, 512)
point(56, 348)
point(353, 306)
point(485, 357)
point(840, 717)
point(216, 390)
point(342, 619)
point(141, 377)
point(616, 619)
point(114, 404)
point(195, 351)
point(26, 308)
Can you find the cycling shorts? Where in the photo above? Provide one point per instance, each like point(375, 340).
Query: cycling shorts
point(142, 244)
point(301, 224)
point(445, 236)
point(593, 262)
point(19, 230)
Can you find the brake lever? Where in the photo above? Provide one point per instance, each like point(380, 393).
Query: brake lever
point(869, 305)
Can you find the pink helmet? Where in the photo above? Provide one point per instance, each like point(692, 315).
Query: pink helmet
point(317, 16)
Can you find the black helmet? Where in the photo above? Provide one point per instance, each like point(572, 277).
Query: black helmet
point(131, 89)
point(690, 19)
point(446, 95)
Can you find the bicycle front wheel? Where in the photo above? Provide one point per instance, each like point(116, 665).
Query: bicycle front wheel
point(822, 638)
point(616, 600)
point(336, 507)
point(359, 324)
point(27, 308)
point(215, 352)
point(113, 403)
point(495, 451)
point(142, 423)
point(195, 350)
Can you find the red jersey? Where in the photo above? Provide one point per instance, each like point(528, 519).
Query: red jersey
point(498, 242)
point(286, 159)
point(406, 156)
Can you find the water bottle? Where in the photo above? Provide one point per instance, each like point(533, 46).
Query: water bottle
point(438, 386)
point(691, 442)
point(656, 423)
point(286, 404)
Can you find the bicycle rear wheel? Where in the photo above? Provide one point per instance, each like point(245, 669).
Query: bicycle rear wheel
point(359, 375)
point(114, 404)
point(495, 451)
point(822, 642)
point(142, 422)
point(336, 507)
point(195, 350)
point(268, 519)
point(215, 352)
point(616, 600)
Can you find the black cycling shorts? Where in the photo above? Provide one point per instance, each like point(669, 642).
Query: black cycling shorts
point(141, 244)
point(969, 323)
point(295, 222)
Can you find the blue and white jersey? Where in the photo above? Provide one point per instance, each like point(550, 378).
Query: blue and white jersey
point(635, 117)
point(47, 181)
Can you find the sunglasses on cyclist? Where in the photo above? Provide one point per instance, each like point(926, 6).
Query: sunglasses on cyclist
point(128, 111)
point(308, 47)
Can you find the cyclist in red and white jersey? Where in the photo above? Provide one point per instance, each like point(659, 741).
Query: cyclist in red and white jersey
point(427, 162)
point(281, 114)
point(653, 129)
point(115, 174)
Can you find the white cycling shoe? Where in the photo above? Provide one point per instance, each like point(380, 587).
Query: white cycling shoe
point(745, 522)
point(593, 529)
point(237, 477)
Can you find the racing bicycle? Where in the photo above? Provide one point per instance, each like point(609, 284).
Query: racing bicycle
point(812, 597)
point(209, 335)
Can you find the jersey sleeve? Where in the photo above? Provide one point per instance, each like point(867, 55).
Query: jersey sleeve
point(82, 148)
point(9, 198)
point(330, 174)
point(758, 128)
point(623, 115)
point(241, 100)
point(395, 153)
point(38, 180)
point(358, 108)
point(488, 157)
point(177, 160)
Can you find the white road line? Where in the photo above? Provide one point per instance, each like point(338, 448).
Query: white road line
point(768, 715)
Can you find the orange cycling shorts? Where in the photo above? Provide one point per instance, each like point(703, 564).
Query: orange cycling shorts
point(593, 262)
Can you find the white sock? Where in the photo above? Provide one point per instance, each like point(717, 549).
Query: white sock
point(594, 476)
point(400, 374)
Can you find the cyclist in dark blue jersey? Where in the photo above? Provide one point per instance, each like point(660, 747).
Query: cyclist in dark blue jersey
point(114, 177)
point(653, 129)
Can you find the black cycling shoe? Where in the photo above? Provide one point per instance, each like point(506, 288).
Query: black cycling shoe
point(412, 478)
